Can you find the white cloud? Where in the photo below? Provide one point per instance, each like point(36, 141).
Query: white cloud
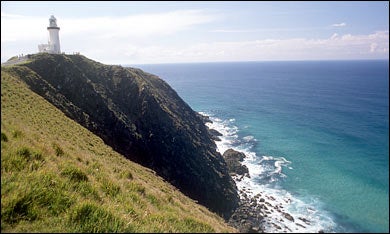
point(334, 36)
point(234, 30)
point(138, 25)
point(95, 33)
point(3, 14)
point(16, 28)
point(21, 28)
point(375, 45)
point(138, 39)
point(339, 25)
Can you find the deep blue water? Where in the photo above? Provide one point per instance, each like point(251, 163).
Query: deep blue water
point(330, 119)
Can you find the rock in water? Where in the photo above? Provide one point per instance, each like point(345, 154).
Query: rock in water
point(233, 159)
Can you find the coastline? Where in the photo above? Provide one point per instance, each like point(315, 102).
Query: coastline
point(263, 208)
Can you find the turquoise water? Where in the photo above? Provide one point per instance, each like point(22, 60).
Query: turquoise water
point(330, 119)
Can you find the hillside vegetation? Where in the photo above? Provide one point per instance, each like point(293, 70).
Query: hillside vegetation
point(141, 117)
point(57, 176)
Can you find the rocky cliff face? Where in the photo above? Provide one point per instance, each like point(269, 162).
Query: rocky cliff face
point(140, 116)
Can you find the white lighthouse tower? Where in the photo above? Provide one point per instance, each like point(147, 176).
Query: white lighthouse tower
point(54, 42)
point(54, 39)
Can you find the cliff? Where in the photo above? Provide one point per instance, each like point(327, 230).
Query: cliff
point(59, 177)
point(139, 116)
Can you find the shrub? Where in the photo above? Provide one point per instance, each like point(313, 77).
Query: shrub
point(90, 218)
point(86, 190)
point(195, 226)
point(19, 209)
point(24, 152)
point(154, 200)
point(74, 174)
point(17, 134)
point(29, 155)
point(12, 162)
point(58, 150)
point(127, 175)
point(170, 200)
point(110, 188)
point(4, 137)
point(137, 188)
point(35, 203)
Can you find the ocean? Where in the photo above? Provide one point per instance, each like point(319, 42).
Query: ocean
point(315, 134)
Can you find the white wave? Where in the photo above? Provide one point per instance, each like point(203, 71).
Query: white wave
point(229, 133)
point(249, 138)
point(278, 164)
point(308, 216)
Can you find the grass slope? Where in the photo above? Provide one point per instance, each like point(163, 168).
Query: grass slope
point(56, 176)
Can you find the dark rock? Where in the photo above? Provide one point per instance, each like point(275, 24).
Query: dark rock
point(276, 226)
point(233, 159)
point(215, 132)
point(288, 216)
point(304, 220)
point(204, 118)
point(215, 138)
point(247, 218)
point(300, 225)
point(233, 154)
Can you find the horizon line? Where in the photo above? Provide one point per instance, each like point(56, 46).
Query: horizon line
point(256, 61)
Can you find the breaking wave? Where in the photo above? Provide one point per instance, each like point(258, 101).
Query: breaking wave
point(265, 174)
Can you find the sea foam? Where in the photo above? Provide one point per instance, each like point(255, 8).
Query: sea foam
point(265, 173)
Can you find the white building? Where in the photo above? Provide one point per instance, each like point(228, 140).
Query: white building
point(53, 46)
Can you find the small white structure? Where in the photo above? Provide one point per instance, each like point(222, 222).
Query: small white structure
point(53, 46)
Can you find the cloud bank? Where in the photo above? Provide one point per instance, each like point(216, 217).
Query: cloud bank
point(158, 38)
point(371, 46)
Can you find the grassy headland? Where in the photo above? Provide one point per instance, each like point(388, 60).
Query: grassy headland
point(56, 176)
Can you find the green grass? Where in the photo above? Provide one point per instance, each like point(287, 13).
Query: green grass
point(56, 176)
point(74, 174)
point(89, 217)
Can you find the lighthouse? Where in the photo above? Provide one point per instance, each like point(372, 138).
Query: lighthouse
point(53, 47)
point(54, 42)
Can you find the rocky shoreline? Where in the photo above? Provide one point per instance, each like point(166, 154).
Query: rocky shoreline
point(258, 212)
point(248, 217)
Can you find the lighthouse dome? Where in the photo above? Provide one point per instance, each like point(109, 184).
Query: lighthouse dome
point(53, 21)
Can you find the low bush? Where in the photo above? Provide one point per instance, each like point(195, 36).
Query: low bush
point(58, 150)
point(88, 217)
point(110, 188)
point(4, 137)
point(74, 174)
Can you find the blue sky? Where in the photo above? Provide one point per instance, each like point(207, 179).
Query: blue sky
point(174, 32)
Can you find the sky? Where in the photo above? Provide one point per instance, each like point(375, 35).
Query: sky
point(149, 32)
